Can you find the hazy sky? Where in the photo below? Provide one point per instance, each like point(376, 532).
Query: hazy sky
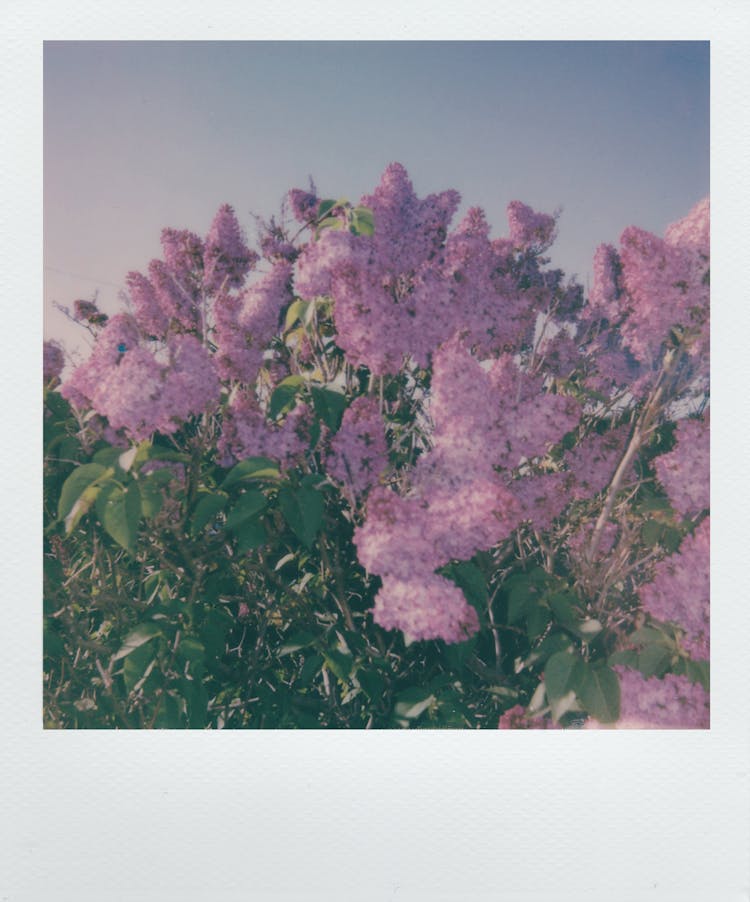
point(142, 135)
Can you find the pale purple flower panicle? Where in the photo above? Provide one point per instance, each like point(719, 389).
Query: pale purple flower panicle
point(54, 361)
point(123, 381)
point(120, 335)
point(177, 301)
point(359, 451)
point(684, 471)
point(518, 718)
point(147, 309)
point(183, 254)
point(245, 324)
point(529, 229)
point(304, 204)
point(227, 258)
point(427, 607)
point(680, 591)
point(247, 433)
point(672, 703)
point(665, 281)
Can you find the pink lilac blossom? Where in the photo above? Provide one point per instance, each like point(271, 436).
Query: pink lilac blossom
point(531, 420)
point(142, 396)
point(183, 254)
point(177, 301)
point(529, 229)
point(593, 461)
point(391, 301)
point(672, 703)
point(684, 471)
point(124, 382)
point(119, 335)
point(147, 309)
point(517, 718)
point(665, 281)
point(427, 607)
point(680, 591)
point(245, 324)
point(358, 453)
point(227, 258)
point(53, 362)
point(247, 433)
point(486, 308)
point(304, 204)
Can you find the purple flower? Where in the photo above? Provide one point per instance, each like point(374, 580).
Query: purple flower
point(684, 471)
point(54, 361)
point(227, 258)
point(672, 703)
point(359, 451)
point(529, 229)
point(680, 591)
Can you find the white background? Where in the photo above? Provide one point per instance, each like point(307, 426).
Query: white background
point(387, 816)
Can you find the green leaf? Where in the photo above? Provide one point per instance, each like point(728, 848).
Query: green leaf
point(295, 643)
point(470, 579)
point(647, 635)
point(75, 485)
point(303, 511)
point(284, 396)
point(599, 693)
point(627, 657)
point(249, 535)
point(137, 663)
point(330, 222)
point(152, 498)
point(325, 206)
point(563, 673)
point(413, 702)
point(654, 660)
point(363, 222)
point(137, 637)
point(562, 606)
point(329, 406)
point(81, 507)
point(538, 619)
point(157, 452)
point(209, 505)
point(120, 512)
point(296, 311)
point(524, 591)
point(311, 668)
point(191, 649)
point(250, 503)
point(339, 664)
point(260, 468)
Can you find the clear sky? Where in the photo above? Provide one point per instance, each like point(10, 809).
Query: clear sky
point(141, 135)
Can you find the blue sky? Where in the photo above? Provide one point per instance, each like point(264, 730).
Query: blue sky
point(141, 135)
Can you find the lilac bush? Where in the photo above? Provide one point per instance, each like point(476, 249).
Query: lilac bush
point(432, 481)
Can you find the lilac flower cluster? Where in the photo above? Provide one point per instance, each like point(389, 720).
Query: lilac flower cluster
point(245, 324)
point(529, 229)
point(654, 284)
point(671, 703)
point(247, 433)
point(680, 591)
point(485, 321)
point(123, 381)
point(359, 451)
point(53, 361)
point(684, 471)
point(517, 718)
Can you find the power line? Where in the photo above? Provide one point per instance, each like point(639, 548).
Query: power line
point(75, 275)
